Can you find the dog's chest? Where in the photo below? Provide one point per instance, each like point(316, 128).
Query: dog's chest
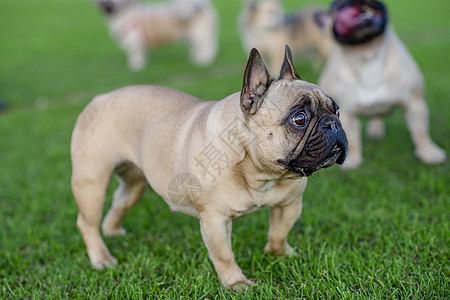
point(372, 89)
point(372, 85)
point(368, 70)
point(272, 193)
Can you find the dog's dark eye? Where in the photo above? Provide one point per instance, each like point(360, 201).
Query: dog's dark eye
point(300, 119)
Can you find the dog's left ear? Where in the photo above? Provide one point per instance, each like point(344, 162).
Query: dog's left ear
point(256, 83)
point(322, 19)
point(288, 71)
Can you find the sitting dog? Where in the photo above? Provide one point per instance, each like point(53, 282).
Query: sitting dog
point(265, 26)
point(138, 26)
point(215, 160)
point(370, 72)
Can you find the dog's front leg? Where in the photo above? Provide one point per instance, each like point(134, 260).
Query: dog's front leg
point(282, 219)
point(216, 233)
point(376, 128)
point(352, 127)
point(417, 118)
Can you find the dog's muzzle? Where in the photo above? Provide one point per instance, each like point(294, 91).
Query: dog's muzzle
point(327, 146)
point(340, 146)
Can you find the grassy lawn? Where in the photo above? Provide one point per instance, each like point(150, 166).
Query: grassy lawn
point(380, 232)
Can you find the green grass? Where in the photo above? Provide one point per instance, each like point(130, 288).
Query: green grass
point(380, 232)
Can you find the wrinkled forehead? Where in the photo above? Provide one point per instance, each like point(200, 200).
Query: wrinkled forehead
point(309, 95)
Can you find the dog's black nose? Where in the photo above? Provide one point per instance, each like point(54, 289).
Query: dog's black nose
point(328, 122)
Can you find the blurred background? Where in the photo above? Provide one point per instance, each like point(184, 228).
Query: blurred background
point(60, 51)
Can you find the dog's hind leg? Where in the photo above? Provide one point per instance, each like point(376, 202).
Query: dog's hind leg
point(131, 187)
point(89, 189)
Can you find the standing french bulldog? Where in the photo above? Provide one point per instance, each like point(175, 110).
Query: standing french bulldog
point(266, 26)
point(213, 160)
point(139, 26)
point(370, 72)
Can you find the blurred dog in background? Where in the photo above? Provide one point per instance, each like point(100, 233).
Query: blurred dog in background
point(266, 26)
point(139, 26)
point(369, 73)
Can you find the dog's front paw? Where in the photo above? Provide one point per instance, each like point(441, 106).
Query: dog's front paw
point(432, 155)
point(290, 252)
point(112, 226)
point(102, 260)
point(285, 250)
point(234, 279)
point(103, 263)
point(113, 231)
point(137, 62)
point(241, 285)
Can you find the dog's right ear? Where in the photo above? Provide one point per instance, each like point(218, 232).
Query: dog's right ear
point(322, 19)
point(250, 5)
point(256, 82)
point(288, 71)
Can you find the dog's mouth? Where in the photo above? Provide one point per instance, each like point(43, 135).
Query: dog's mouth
point(322, 146)
point(359, 23)
point(337, 154)
point(347, 19)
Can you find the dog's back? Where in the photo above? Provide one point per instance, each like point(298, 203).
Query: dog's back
point(123, 114)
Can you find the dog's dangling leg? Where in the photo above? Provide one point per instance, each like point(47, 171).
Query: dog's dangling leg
point(137, 59)
point(135, 49)
point(132, 185)
point(89, 193)
point(202, 36)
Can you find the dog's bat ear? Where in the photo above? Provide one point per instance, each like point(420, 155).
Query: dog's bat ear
point(322, 19)
point(249, 4)
point(256, 82)
point(288, 71)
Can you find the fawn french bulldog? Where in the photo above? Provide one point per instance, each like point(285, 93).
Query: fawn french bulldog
point(215, 160)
